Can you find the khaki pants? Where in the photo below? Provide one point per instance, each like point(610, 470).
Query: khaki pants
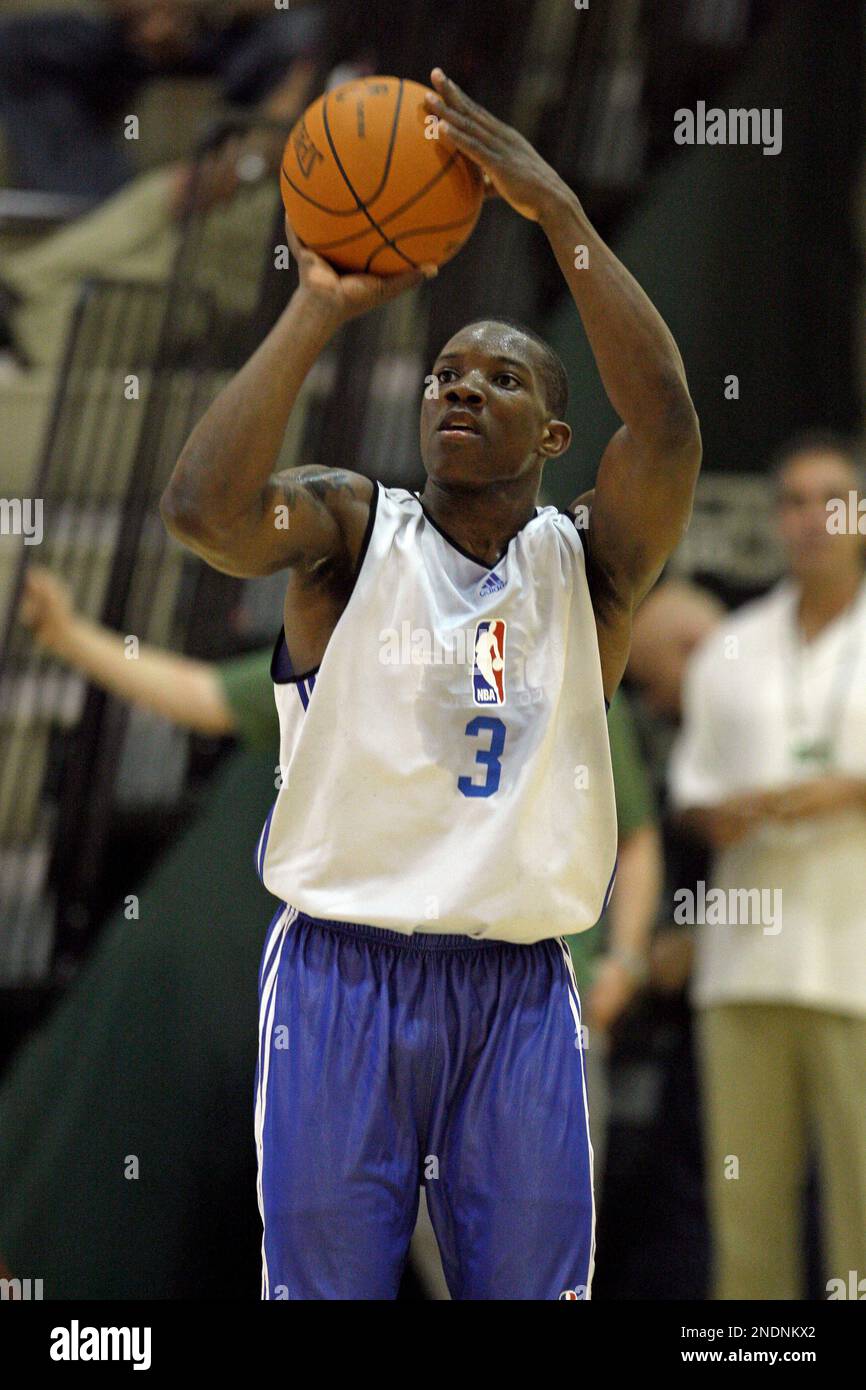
point(129, 236)
point(776, 1076)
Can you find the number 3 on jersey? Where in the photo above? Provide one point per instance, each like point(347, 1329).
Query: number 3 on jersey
point(485, 757)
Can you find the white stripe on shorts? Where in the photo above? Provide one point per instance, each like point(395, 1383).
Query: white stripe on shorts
point(270, 973)
point(574, 1002)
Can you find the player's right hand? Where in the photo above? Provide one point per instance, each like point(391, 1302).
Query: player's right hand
point(347, 296)
point(45, 607)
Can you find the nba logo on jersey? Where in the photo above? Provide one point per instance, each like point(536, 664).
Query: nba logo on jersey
point(488, 671)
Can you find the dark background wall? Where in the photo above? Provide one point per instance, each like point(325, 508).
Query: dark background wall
point(751, 258)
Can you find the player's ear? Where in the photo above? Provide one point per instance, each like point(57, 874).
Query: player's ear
point(556, 438)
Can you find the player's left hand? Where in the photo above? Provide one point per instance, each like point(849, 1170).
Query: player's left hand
point(510, 166)
point(243, 158)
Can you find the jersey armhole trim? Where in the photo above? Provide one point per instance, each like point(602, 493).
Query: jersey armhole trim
point(584, 545)
point(282, 672)
point(578, 531)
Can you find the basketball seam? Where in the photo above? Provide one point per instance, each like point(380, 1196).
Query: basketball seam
point(349, 212)
point(421, 231)
point(365, 231)
point(392, 139)
point(323, 207)
point(362, 207)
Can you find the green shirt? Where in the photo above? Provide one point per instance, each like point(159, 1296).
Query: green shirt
point(249, 690)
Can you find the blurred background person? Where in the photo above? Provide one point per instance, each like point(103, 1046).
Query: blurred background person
point(653, 1120)
point(222, 700)
point(68, 78)
point(68, 82)
point(611, 960)
point(153, 1038)
point(770, 772)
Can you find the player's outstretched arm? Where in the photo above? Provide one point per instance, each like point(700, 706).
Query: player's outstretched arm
point(645, 484)
point(180, 688)
point(643, 493)
point(648, 472)
point(223, 499)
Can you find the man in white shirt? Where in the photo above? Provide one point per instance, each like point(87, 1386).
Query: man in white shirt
point(770, 769)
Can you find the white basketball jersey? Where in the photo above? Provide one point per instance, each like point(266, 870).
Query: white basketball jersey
point(447, 767)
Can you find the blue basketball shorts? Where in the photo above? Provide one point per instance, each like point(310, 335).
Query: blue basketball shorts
point(388, 1061)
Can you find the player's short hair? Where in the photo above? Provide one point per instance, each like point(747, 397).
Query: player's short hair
point(552, 372)
point(816, 441)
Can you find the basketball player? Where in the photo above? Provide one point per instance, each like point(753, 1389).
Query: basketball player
point(437, 831)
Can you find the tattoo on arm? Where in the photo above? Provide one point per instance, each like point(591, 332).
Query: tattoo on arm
point(310, 494)
point(314, 482)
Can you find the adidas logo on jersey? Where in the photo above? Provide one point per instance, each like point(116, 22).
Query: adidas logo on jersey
point(491, 585)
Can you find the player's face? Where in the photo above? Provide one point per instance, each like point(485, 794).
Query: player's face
point(808, 482)
point(483, 418)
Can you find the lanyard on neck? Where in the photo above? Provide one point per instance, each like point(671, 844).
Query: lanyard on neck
point(819, 750)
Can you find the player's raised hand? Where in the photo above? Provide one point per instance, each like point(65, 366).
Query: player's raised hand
point(347, 296)
point(511, 166)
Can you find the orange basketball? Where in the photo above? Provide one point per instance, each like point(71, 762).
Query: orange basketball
point(368, 186)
